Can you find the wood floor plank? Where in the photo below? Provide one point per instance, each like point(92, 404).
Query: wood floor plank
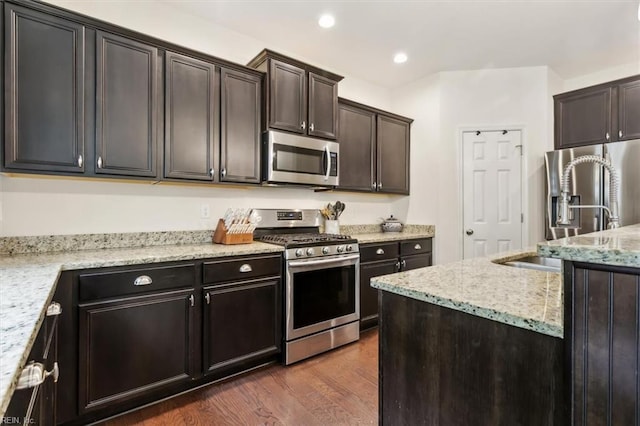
point(336, 388)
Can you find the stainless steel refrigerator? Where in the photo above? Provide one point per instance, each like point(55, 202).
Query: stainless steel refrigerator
point(590, 182)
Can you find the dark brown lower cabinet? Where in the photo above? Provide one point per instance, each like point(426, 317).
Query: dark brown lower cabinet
point(36, 404)
point(131, 346)
point(387, 258)
point(602, 336)
point(440, 366)
point(241, 325)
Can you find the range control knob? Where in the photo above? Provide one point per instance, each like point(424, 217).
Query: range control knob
point(325, 250)
point(340, 249)
point(299, 253)
point(310, 252)
point(349, 247)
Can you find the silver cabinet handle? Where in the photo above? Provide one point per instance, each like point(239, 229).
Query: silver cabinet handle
point(224, 172)
point(374, 186)
point(379, 185)
point(311, 127)
point(143, 280)
point(54, 309)
point(398, 265)
point(303, 125)
point(469, 231)
point(100, 162)
point(619, 133)
point(80, 160)
point(404, 263)
point(379, 251)
point(417, 247)
point(207, 297)
point(192, 300)
point(211, 173)
point(34, 374)
point(246, 268)
point(606, 136)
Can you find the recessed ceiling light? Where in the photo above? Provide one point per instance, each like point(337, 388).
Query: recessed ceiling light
point(400, 58)
point(326, 21)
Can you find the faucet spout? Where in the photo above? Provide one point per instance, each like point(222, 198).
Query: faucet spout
point(565, 197)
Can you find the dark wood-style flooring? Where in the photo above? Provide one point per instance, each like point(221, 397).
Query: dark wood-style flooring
point(336, 388)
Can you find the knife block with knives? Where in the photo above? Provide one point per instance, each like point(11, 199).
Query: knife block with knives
point(235, 228)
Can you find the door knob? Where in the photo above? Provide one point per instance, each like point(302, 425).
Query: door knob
point(469, 231)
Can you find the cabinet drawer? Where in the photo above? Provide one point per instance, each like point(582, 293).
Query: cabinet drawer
point(241, 268)
point(101, 285)
point(373, 252)
point(417, 246)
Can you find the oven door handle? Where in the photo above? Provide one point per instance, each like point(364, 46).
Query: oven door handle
point(342, 259)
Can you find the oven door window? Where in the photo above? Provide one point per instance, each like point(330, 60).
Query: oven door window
point(323, 295)
point(298, 160)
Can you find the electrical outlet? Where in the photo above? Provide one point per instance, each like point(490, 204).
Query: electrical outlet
point(204, 211)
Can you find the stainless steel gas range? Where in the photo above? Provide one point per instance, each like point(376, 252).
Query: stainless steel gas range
point(321, 282)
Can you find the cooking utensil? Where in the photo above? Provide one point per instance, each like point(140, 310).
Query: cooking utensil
point(391, 224)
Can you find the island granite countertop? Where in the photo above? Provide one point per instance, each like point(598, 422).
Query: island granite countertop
point(618, 247)
point(482, 287)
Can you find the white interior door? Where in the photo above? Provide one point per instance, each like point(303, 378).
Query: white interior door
point(492, 192)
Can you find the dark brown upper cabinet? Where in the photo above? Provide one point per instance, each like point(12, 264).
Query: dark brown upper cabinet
point(629, 110)
point(127, 104)
point(44, 92)
point(374, 149)
point(240, 100)
point(599, 114)
point(190, 113)
point(300, 98)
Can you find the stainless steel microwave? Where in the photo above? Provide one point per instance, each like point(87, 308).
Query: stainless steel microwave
point(297, 159)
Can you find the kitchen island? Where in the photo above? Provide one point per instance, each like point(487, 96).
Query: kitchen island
point(602, 324)
point(478, 342)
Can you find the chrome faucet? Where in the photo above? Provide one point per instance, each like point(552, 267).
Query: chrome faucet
point(564, 206)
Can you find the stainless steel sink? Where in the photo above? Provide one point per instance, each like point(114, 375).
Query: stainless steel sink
point(546, 264)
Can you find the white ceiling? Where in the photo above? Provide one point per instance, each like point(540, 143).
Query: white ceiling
point(572, 37)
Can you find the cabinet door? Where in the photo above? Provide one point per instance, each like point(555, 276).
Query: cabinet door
point(629, 111)
point(357, 138)
point(240, 127)
point(408, 263)
point(126, 106)
point(44, 98)
point(393, 155)
point(323, 106)
point(241, 325)
point(287, 97)
point(583, 118)
point(368, 294)
point(130, 347)
point(190, 110)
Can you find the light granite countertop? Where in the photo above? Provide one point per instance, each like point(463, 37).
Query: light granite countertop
point(618, 247)
point(524, 298)
point(27, 284)
point(31, 266)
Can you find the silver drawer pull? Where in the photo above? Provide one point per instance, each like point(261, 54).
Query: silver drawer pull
point(54, 309)
point(417, 247)
point(143, 280)
point(34, 374)
point(246, 268)
point(379, 251)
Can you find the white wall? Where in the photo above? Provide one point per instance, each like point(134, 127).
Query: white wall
point(42, 205)
point(442, 106)
point(603, 76)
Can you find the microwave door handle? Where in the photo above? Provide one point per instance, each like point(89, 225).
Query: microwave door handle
point(327, 162)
